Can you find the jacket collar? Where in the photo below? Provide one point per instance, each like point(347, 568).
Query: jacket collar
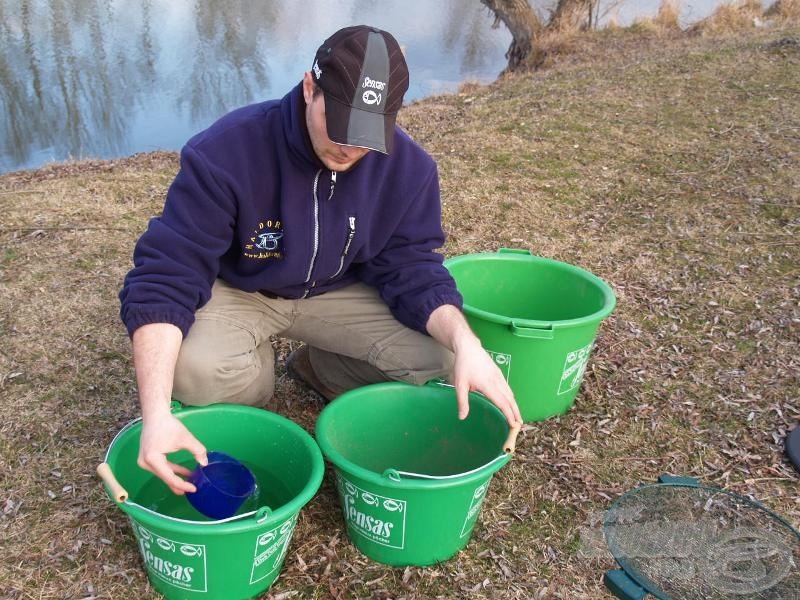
point(293, 113)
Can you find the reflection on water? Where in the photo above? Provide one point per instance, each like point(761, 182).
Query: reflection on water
point(107, 78)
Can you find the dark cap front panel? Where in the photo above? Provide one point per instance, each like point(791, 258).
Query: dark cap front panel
point(370, 97)
point(364, 76)
point(373, 83)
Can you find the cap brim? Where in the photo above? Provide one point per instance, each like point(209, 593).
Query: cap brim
point(356, 127)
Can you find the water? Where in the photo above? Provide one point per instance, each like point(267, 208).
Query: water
point(109, 78)
point(270, 491)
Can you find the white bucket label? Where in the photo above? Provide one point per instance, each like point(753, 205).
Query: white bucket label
point(270, 549)
point(503, 361)
point(475, 507)
point(377, 518)
point(574, 368)
point(181, 564)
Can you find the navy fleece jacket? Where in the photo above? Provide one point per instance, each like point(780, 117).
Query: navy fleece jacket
point(253, 205)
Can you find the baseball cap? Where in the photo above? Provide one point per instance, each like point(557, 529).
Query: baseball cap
point(363, 74)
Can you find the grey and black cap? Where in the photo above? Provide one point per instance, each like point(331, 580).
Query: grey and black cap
point(363, 74)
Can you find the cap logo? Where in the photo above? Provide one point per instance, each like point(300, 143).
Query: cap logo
point(370, 97)
point(317, 70)
point(375, 85)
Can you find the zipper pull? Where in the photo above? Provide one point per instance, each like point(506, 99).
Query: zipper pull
point(333, 184)
point(351, 233)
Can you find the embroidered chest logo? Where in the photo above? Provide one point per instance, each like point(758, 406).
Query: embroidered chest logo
point(265, 241)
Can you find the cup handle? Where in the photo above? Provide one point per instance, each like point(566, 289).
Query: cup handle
point(117, 491)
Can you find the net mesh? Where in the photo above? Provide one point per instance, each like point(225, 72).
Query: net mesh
point(692, 542)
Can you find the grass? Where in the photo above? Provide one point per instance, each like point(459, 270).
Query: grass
point(667, 165)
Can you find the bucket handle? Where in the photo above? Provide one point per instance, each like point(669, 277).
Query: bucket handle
point(118, 492)
point(120, 496)
point(511, 441)
point(508, 448)
point(394, 474)
point(514, 251)
point(526, 331)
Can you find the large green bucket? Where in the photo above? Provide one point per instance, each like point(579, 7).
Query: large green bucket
point(411, 476)
point(185, 554)
point(538, 318)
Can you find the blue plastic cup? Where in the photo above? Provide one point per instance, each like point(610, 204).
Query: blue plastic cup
point(222, 486)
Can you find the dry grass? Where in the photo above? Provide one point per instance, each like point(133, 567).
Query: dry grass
point(668, 16)
point(730, 18)
point(561, 38)
point(665, 22)
point(668, 166)
point(784, 11)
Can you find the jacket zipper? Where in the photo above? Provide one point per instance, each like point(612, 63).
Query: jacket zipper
point(316, 234)
point(351, 233)
point(333, 184)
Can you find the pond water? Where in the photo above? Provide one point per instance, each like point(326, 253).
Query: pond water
point(109, 78)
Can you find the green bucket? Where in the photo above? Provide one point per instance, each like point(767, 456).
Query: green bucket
point(185, 554)
point(411, 476)
point(537, 318)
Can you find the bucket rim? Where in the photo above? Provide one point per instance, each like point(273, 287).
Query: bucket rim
point(241, 522)
point(385, 478)
point(609, 298)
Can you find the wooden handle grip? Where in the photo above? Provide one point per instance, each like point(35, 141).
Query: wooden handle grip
point(511, 440)
point(117, 491)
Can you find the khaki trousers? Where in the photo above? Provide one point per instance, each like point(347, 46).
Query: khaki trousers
point(354, 340)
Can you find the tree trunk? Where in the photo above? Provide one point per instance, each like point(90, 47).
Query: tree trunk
point(525, 27)
point(522, 22)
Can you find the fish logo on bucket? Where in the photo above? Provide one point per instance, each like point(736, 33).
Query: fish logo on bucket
point(503, 361)
point(574, 368)
point(191, 550)
point(377, 518)
point(270, 549)
point(178, 563)
point(474, 507)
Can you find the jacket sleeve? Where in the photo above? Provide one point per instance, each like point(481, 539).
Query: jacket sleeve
point(176, 260)
point(408, 272)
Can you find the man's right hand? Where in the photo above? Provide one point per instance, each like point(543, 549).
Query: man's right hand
point(155, 351)
point(162, 436)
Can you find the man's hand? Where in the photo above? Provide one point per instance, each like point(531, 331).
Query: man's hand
point(161, 437)
point(474, 370)
point(155, 352)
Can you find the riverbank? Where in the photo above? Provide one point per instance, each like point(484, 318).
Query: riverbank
point(668, 165)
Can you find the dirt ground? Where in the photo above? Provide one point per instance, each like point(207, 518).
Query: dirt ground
point(667, 165)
